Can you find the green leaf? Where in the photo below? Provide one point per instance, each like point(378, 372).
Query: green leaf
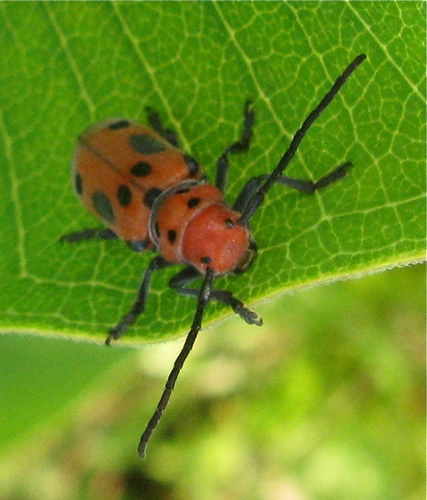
point(67, 65)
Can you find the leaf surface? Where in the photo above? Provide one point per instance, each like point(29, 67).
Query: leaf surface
point(66, 66)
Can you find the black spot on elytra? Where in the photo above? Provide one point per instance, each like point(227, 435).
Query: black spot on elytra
point(124, 195)
point(103, 206)
point(141, 169)
point(150, 196)
point(171, 236)
point(145, 144)
point(192, 202)
point(78, 184)
point(229, 223)
point(192, 165)
point(119, 124)
point(205, 260)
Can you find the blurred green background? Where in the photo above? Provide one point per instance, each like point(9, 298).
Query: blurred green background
point(325, 401)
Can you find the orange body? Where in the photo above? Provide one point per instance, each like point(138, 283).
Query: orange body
point(119, 170)
point(150, 193)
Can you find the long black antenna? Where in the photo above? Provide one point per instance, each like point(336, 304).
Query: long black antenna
point(202, 302)
point(258, 197)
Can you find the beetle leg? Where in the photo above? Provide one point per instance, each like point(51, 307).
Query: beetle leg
point(139, 305)
point(239, 146)
point(180, 281)
point(156, 123)
point(89, 234)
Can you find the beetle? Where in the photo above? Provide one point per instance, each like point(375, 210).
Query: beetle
point(153, 196)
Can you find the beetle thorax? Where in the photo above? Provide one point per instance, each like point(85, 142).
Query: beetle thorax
point(191, 224)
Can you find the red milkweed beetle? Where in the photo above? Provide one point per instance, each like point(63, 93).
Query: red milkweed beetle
point(153, 196)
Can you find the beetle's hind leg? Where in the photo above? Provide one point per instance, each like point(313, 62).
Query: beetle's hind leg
point(239, 146)
point(156, 123)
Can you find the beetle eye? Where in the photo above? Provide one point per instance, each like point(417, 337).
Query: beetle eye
point(229, 223)
point(248, 258)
